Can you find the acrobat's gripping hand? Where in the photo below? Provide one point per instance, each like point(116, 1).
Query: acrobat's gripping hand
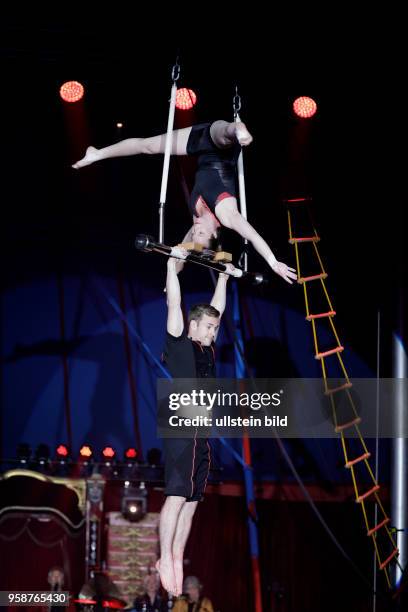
point(178, 253)
point(92, 155)
point(230, 270)
point(176, 259)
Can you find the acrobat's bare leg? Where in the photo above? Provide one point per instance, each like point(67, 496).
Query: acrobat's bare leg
point(137, 146)
point(169, 517)
point(180, 539)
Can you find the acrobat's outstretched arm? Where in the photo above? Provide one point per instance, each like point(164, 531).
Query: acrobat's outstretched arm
point(230, 217)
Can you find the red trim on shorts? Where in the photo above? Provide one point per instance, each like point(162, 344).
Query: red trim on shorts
point(192, 467)
point(209, 466)
point(223, 196)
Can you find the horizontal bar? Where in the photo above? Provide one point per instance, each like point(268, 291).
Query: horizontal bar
point(147, 244)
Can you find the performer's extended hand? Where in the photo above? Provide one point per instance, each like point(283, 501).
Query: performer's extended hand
point(91, 156)
point(284, 271)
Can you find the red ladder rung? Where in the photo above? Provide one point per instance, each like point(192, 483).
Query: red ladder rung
point(304, 239)
point(297, 200)
point(340, 428)
point(361, 498)
point(338, 349)
point(346, 385)
point(357, 460)
point(331, 313)
point(377, 527)
point(305, 279)
point(394, 553)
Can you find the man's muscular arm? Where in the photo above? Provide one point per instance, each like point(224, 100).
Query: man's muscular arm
point(175, 323)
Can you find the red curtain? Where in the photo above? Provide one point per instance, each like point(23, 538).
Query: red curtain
point(30, 546)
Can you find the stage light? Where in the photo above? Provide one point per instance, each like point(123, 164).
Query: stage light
point(85, 452)
point(109, 452)
point(71, 91)
point(108, 455)
point(131, 455)
point(119, 125)
point(304, 107)
point(23, 452)
point(185, 99)
point(62, 452)
point(63, 463)
point(134, 503)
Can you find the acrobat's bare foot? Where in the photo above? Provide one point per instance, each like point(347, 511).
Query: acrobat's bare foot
point(92, 155)
point(166, 572)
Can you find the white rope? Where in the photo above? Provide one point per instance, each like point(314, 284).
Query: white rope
point(242, 193)
point(166, 163)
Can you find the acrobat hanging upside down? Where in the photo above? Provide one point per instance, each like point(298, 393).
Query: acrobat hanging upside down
point(213, 200)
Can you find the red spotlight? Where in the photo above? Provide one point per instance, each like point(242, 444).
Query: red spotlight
point(131, 453)
point(304, 107)
point(62, 451)
point(185, 98)
point(71, 91)
point(108, 452)
point(85, 452)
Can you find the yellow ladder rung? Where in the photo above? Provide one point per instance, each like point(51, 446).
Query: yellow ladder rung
point(377, 527)
point(364, 496)
point(394, 553)
point(297, 200)
point(357, 460)
point(346, 385)
point(306, 279)
point(340, 428)
point(338, 349)
point(321, 315)
point(304, 239)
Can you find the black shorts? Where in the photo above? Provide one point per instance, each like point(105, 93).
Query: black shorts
point(186, 467)
point(216, 174)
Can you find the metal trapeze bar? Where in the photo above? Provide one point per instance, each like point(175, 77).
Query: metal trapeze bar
point(148, 244)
